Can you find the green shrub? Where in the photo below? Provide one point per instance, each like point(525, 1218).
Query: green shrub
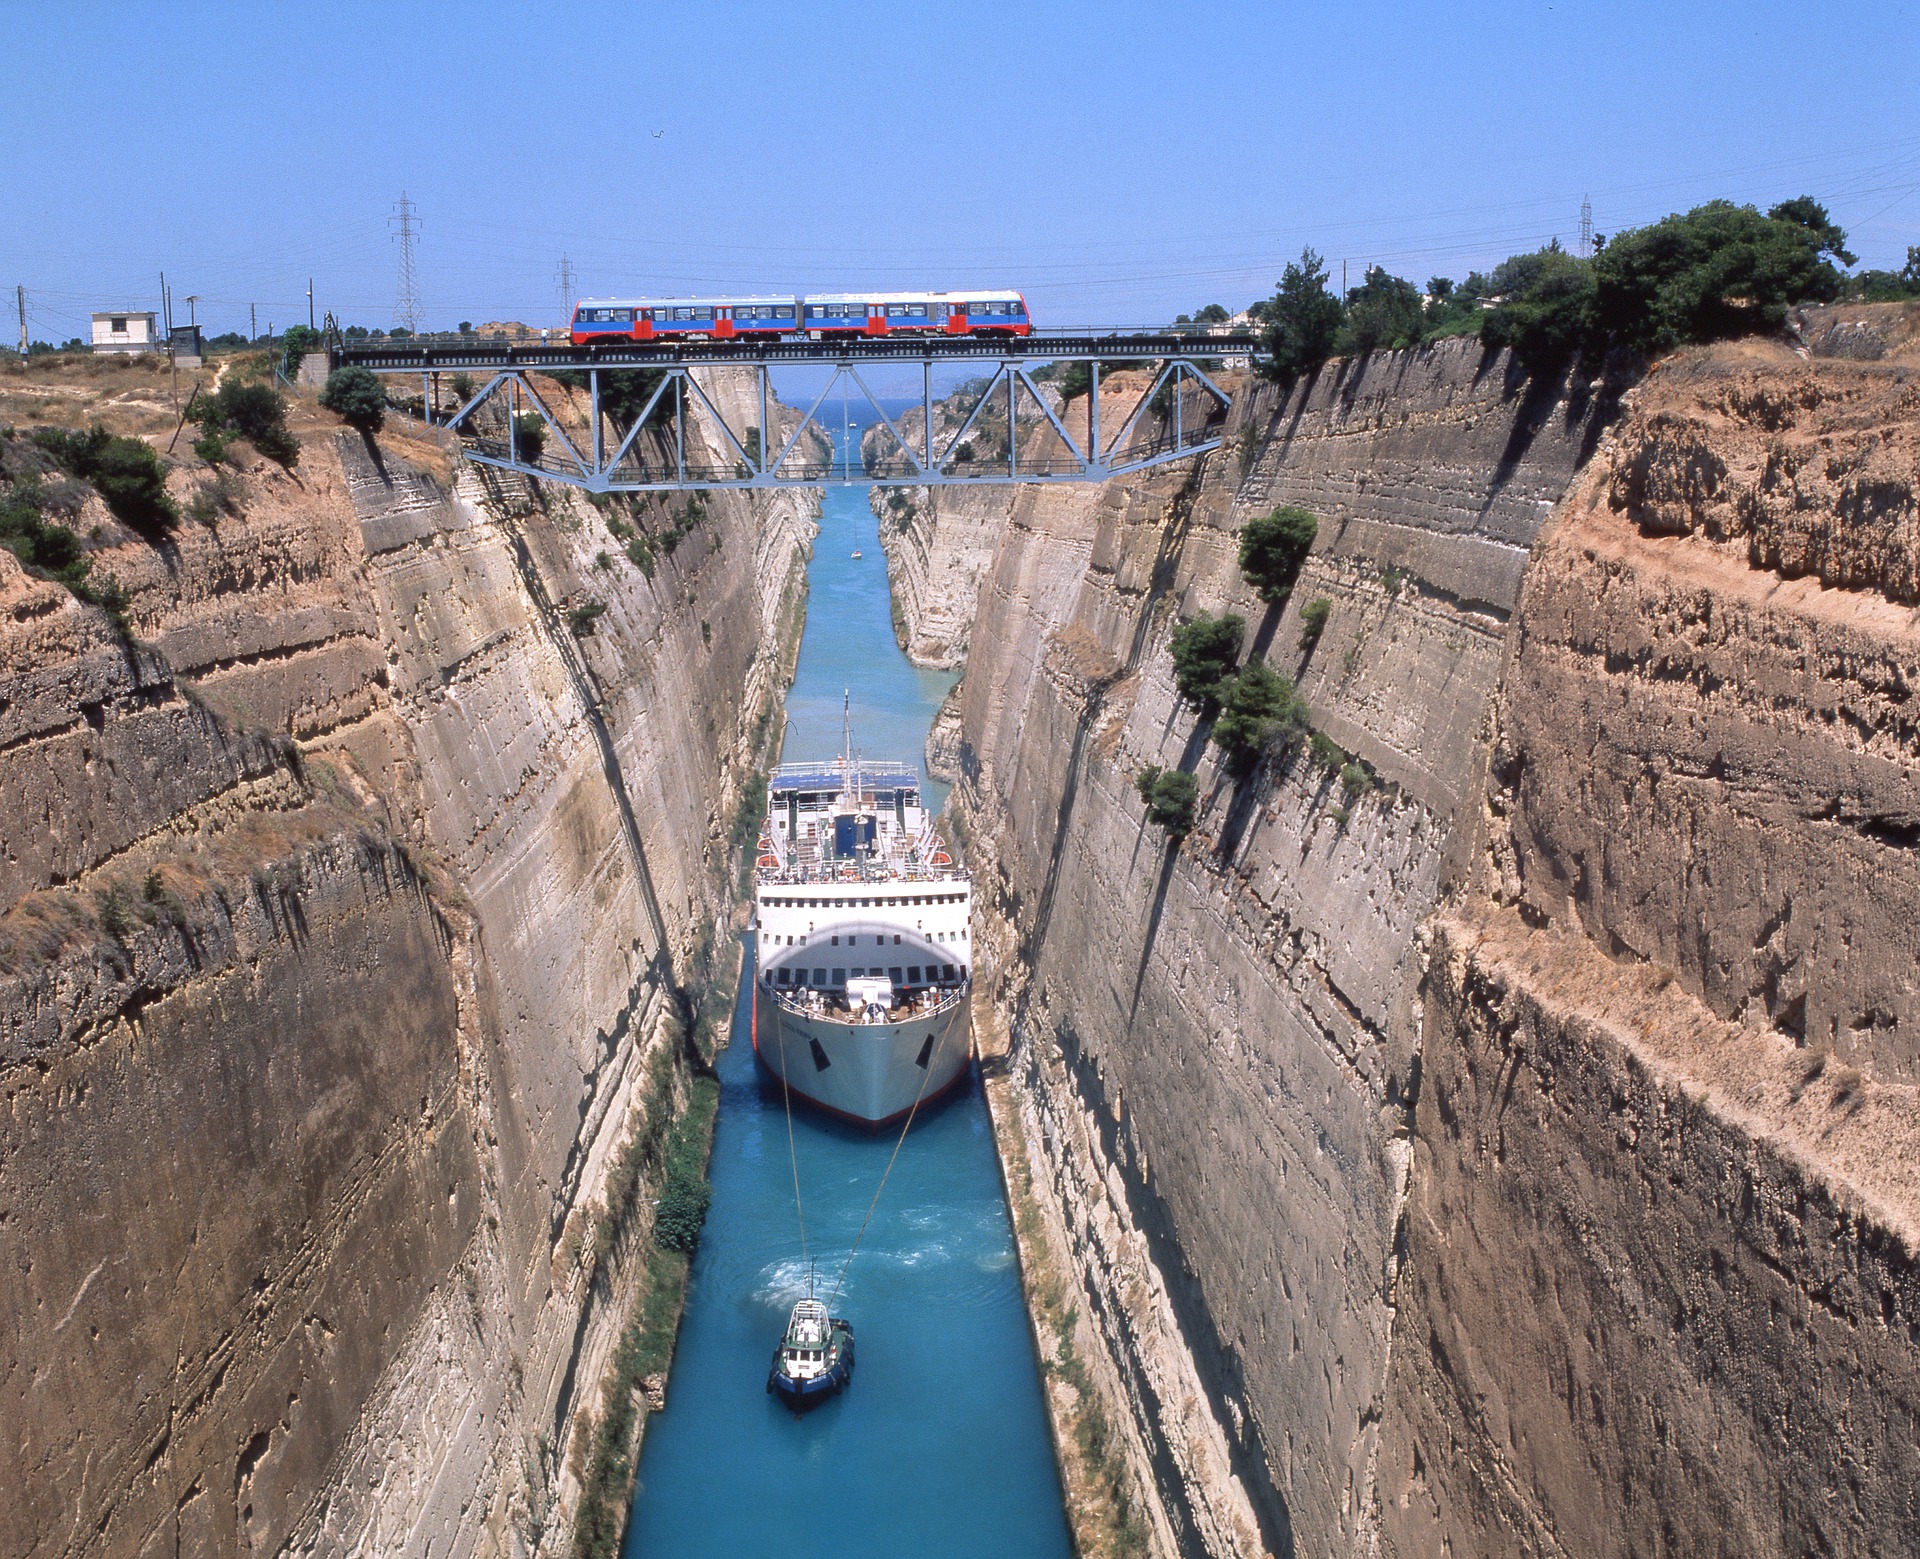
point(255, 412)
point(115, 913)
point(1074, 381)
point(1170, 796)
point(1259, 713)
point(640, 550)
point(1452, 310)
point(296, 344)
point(211, 446)
point(624, 392)
point(1300, 323)
point(258, 413)
point(1204, 651)
point(354, 395)
point(1273, 547)
point(1325, 751)
point(1721, 270)
point(1547, 310)
point(1313, 621)
point(44, 547)
point(1382, 312)
point(530, 434)
point(463, 387)
point(126, 473)
point(581, 618)
point(1888, 286)
point(682, 1213)
point(1355, 780)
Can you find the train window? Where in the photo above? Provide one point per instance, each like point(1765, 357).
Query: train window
point(906, 311)
point(979, 308)
point(606, 316)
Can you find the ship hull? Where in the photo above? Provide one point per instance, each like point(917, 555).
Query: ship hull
point(873, 1073)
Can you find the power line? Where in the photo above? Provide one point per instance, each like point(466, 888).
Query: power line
point(406, 303)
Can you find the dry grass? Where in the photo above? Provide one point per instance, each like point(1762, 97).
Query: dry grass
point(126, 394)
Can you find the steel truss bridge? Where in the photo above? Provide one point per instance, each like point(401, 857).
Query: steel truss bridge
point(1179, 414)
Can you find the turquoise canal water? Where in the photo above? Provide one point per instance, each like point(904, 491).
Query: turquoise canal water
point(940, 1447)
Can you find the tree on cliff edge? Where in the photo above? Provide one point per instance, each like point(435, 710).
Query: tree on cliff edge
point(354, 395)
point(1300, 322)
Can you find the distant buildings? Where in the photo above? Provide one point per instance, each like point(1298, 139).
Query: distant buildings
point(188, 348)
point(126, 331)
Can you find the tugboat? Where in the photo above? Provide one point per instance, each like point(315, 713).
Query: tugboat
point(814, 1360)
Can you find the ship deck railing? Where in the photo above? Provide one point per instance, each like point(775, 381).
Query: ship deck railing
point(796, 875)
point(789, 999)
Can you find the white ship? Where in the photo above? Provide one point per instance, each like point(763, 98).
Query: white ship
point(861, 999)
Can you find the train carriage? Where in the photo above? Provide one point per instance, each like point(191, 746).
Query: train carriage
point(652, 319)
point(820, 316)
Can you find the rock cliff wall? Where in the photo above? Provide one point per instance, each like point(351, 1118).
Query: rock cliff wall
point(1517, 1156)
point(1660, 1291)
point(346, 905)
point(1216, 1045)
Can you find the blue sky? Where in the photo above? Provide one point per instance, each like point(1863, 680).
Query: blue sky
point(1119, 162)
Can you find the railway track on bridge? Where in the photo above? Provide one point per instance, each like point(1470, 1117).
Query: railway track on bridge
point(459, 355)
point(1178, 414)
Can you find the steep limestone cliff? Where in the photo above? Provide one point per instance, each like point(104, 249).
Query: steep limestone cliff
point(1661, 1291)
point(1215, 1046)
point(347, 907)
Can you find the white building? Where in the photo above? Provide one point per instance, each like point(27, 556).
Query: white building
point(126, 331)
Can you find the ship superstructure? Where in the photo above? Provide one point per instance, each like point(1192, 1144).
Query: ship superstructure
point(864, 940)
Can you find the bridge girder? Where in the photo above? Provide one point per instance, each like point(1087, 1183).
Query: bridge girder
point(1180, 383)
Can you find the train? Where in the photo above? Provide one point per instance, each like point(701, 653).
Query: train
point(820, 316)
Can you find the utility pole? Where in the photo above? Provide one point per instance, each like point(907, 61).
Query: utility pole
point(406, 298)
point(253, 322)
point(1586, 228)
point(20, 294)
point(192, 298)
point(166, 319)
point(566, 279)
point(309, 303)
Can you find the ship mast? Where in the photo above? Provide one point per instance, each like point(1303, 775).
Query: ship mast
point(846, 742)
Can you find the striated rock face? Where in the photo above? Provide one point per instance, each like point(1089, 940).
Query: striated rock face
point(1661, 1290)
point(939, 541)
point(1517, 1157)
point(1217, 1045)
point(341, 914)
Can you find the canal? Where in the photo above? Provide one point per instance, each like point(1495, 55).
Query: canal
point(940, 1447)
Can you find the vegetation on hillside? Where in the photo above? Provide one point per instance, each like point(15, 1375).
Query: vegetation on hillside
point(1718, 271)
point(125, 472)
point(1204, 651)
point(1170, 796)
point(356, 397)
point(254, 412)
point(1273, 547)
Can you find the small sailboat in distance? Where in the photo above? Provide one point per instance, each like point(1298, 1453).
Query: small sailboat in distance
point(856, 552)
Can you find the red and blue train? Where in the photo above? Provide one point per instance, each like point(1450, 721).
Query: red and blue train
point(820, 316)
